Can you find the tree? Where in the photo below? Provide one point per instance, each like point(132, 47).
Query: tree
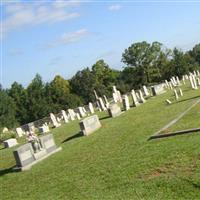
point(7, 110)
point(143, 55)
point(195, 53)
point(60, 96)
point(19, 95)
point(37, 104)
point(83, 84)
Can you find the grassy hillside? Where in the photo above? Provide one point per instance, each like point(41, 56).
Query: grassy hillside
point(117, 161)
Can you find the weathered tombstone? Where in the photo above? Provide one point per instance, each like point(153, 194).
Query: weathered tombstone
point(19, 132)
point(10, 143)
point(183, 79)
point(90, 124)
point(24, 155)
point(158, 89)
point(101, 103)
point(142, 100)
point(176, 94)
point(48, 143)
point(71, 114)
point(115, 98)
point(146, 93)
point(114, 110)
point(194, 82)
point(178, 81)
point(166, 83)
point(180, 92)
point(43, 129)
point(119, 96)
point(98, 106)
point(126, 102)
point(170, 86)
point(64, 116)
point(134, 98)
point(54, 121)
point(78, 116)
point(95, 94)
point(168, 101)
point(198, 81)
point(91, 108)
point(81, 112)
point(191, 82)
point(5, 129)
point(106, 101)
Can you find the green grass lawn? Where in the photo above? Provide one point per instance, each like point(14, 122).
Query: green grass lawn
point(117, 161)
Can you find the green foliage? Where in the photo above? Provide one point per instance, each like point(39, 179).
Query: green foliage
point(38, 107)
point(7, 110)
point(6, 136)
point(19, 95)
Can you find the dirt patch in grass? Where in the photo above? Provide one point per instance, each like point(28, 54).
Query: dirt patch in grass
point(173, 168)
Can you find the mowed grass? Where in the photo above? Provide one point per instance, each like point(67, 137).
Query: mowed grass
point(117, 161)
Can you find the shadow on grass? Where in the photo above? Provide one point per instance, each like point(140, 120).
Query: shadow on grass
point(77, 135)
point(106, 117)
point(2, 148)
point(187, 99)
point(6, 171)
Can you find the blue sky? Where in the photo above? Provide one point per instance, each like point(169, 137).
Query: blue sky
point(62, 37)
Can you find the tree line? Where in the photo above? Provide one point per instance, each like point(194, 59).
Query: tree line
point(144, 64)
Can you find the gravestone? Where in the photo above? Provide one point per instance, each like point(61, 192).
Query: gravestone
point(176, 94)
point(10, 143)
point(20, 132)
point(134, 98)
point(90, 124)
point(91, 108)
point(43, 129)
point(48, 143)
point(158, 89)
point(180, 92)
point(101, 103)
point(54, 121)
point(168, 101)
point(5, 129)
point(126, 104)
point(24, 155)
point(115, 97)
point(142, 100)
point(78, 116)
point(114, 110)
point(146, 93)
point(106, 101)
point(64, 114)
point(71, 114)
point(81, 112)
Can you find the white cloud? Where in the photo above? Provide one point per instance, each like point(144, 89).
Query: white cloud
point(68, 38)
point(28, 14)
point(115, 7)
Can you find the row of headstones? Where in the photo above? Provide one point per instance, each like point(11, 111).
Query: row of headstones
point(56, 121)
point(102, 105)
point(193, 78)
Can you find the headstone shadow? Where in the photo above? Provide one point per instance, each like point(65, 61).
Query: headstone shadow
point(106, 117)
point(6, 171)
point(77, 135)
point(188, 99)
